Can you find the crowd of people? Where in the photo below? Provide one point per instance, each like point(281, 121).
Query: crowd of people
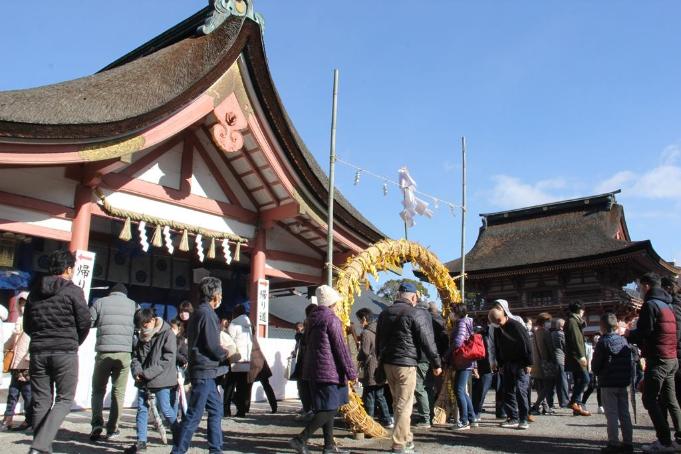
point(406, 355)
point(196, 348)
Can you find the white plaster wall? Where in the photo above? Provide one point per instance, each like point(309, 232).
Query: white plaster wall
point(34, 218)
point(203, 183)
point(276, 352)
point(179, 214)
point(166, 169)
point(43, 183)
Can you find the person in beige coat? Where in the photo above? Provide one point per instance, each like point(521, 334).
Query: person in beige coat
point(20, 384)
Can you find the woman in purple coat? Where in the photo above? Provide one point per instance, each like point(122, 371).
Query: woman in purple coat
point(327, 368)
point(463, 329)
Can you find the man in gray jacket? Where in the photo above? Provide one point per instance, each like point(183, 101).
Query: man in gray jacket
point(114, 318)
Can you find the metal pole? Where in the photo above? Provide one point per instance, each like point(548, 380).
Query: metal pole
point(463, 219)
point(332, 177)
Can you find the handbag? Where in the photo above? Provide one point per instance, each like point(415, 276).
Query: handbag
point(290, 366)
point(9, 356)
point(473, 349)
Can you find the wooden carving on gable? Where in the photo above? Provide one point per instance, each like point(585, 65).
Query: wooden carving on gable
point(226, 133)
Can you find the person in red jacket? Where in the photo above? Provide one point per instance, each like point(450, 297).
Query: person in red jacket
point(655, 334)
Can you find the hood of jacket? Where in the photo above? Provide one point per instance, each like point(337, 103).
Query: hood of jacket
point(507, 311)
point(51, 285)
point(614, 343)
point(660, 294)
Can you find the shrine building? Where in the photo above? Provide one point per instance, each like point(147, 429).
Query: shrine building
point(176, 161)
point(542, 258)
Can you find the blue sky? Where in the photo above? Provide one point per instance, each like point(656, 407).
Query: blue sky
point(556, 99)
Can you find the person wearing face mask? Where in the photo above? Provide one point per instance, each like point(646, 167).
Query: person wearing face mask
point(58, 320)
point(544, 368)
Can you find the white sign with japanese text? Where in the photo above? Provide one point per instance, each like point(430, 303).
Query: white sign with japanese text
point(82, 272)
point(263, 303)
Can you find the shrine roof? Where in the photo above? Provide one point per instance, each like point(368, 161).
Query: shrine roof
point(152, 83)
point(589, 228)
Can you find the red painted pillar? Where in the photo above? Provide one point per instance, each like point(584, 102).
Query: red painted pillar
point(258, 258)
point(80, 227)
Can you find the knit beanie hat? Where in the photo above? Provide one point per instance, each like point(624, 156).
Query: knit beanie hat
point(327, 296)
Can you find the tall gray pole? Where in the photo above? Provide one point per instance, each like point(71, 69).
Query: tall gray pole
point(463, 219)
point(332, 177)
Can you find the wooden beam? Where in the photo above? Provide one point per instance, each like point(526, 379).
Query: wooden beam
point(290, 210)
point(172, 196)
point(34, 230)
point(152, 156)
point(295, 258)
point(216, 172)
point(252, 163)
point(187, 168)
point(30, 203)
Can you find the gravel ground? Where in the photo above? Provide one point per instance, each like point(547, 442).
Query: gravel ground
point(262, 432)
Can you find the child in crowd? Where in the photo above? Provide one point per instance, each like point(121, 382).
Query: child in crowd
point(154, 370)
point(612, 363)
point(20, 383)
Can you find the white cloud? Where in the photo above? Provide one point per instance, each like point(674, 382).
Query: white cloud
point(661, 182)
point(509, 192)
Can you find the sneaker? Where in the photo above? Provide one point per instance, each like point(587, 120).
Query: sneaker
point(477, 419)
point(113, 435)
point(509, 424)
point(299, 445)
point(601, 410)
point(535, 412)
point(523, 425)
point(389, 424)
point(461, 426)
point(96, 433)
point(335, 450)
point(406, 449)
point(137, 447)
point(659, 447)
point(4, 427)
point(474, 423)
point(423, 425)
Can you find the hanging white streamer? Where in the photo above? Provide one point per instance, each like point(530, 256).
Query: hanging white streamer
point(199, 247)
point(168, 239)
point(412, 204)
point(142, 228)
point(226, 251)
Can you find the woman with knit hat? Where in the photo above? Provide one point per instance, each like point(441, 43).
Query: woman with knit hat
point(327, 368)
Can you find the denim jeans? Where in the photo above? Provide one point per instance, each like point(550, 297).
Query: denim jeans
point(616, 405)
point(659, 394)
point(481, 387)
point(580, 380)
point(463, 400)
point(516, 381)
point(165, 410)
point(19, 388)
point(204, 396)
point(373, 395)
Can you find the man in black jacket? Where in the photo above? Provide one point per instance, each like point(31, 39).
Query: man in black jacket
point(207, 362)
point(670, 286)
point(58, 320)
point(514, 358)
point(403, 334)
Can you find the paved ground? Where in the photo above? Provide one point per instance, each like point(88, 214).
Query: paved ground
point(262, 432)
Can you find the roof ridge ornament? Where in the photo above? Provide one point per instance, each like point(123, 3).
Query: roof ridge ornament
point(222, 9)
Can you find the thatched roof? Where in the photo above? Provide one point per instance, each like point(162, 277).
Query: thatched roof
point(580, 229)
